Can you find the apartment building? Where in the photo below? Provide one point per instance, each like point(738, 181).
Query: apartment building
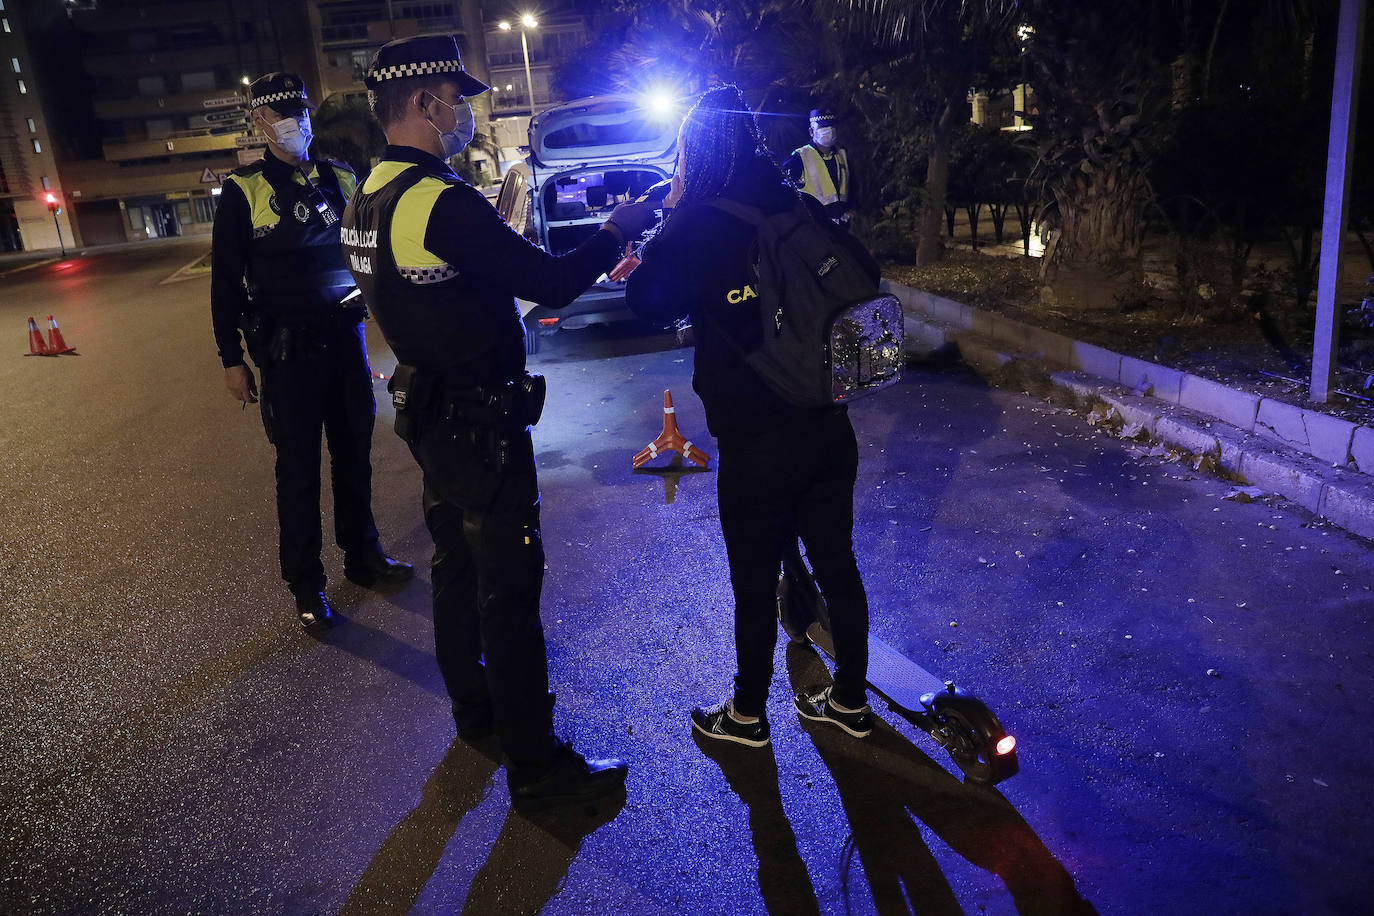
point(517, 92)
point(165, 79)
point(348, 32)
point(28, 145)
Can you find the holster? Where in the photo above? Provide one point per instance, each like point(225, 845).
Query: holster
point(257, 330)
point(510, 407)
point(409, 398)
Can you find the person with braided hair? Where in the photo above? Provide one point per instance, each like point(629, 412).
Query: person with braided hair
point(784, 471)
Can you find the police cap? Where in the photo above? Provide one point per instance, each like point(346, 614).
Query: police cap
point(285, 92)
point(823, 116)
point(422, 55)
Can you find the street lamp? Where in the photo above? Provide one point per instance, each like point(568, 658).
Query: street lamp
point(54, 207)
point(526, 22)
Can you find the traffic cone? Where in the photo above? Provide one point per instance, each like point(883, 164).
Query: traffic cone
point(56, 345)
point(36, 345)
point(670, 440)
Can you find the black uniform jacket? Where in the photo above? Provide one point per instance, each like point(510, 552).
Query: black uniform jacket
point(232, 247)
point(701, 266)
point(490, 263)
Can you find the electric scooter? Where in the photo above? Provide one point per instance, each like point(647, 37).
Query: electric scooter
point(959, 722)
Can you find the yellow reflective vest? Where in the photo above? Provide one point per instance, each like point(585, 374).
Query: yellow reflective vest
point(816, 176)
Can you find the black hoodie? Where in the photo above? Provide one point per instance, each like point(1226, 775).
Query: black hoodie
point(702, 262)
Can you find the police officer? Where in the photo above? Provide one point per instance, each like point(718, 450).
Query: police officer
point(821, 167)
point(279, 275)
point(440, 270)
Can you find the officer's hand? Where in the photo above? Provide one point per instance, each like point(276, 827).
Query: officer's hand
point(632, 219)
point(241, 384)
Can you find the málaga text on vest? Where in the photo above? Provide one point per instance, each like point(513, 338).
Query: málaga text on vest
point(353, 238)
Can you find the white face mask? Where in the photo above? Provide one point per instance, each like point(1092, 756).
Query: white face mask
point(293, 135)
point(825, 136)
point(456, 140)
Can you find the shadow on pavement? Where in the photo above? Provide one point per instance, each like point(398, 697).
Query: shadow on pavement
point(885, 784)
point(752, 774)
point(532, 856)
point(671, 474)
point(398, 873)
point(384, 651)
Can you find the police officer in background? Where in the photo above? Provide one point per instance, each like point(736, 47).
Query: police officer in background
point(440, 270)
point(821, 168)
point(279, 275)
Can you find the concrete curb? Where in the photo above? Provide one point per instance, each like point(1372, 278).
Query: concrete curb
point(1321, 462)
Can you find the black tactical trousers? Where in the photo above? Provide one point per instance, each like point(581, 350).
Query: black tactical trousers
point(488, 572)
point(772, 488)
point(321, 380)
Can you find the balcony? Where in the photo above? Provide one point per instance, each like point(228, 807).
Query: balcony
point(378, 32)
point(187, 103)
point(177, 145)
point(104, 19)
point(201, 57)
point(87, 180)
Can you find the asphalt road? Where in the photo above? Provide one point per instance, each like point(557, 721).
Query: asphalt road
point(1186, 676)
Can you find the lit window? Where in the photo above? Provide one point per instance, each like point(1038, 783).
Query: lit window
point(47, 186)
point(23, 90)
point(33, 128)
point(37, 147)
point(14, 62)
point(6, 24)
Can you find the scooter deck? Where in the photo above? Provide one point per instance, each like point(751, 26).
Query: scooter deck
point(893, 676)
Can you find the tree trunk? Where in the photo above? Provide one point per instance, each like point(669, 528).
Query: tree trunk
point(1095, 261)
point(973, 213)
point(1102, 213)
point(928, 247)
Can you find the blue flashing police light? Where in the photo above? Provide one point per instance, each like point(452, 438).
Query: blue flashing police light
point(660, 103)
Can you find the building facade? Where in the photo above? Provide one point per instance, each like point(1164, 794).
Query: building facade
point(28, 143)
point(517, 93)
point(165, 79)
point(347, 33)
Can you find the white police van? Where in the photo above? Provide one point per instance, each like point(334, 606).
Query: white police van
point(585, 157)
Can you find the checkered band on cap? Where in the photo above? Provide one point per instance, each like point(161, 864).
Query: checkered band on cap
point(269, 98)
point(418, 68)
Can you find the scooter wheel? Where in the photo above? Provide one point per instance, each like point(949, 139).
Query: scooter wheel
point(972, 744)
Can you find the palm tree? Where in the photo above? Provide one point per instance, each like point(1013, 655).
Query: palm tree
point(345, 130)
point(935, 52)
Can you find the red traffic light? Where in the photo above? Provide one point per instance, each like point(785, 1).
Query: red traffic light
point(51, 199)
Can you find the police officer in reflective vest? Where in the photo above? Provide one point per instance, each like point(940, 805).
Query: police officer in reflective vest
point(821, 167)
point(278, 274)
point(440, 270)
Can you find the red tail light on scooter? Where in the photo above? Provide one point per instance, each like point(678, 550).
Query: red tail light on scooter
point(1006, 745)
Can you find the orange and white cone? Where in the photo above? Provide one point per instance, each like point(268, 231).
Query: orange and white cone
point(670, 440)
point(56, 345)
point(36, 345)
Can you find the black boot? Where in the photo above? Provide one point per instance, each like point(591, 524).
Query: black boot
point(313, 610)
point(568, 779)
point(377, 570)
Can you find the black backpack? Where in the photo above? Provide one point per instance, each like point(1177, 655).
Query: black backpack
point(829, 334)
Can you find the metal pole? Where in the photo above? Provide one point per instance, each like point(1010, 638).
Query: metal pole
point(60, 244)
point(1344, 95)
point(529, 82)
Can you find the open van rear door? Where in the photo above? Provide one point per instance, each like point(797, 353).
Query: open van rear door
point(607, 127)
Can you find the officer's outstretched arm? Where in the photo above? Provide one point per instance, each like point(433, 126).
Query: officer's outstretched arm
point(466, 231)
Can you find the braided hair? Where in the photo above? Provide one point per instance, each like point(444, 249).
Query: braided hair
point(718, 138)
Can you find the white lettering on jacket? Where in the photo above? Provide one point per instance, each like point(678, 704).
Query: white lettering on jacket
point(356, 239)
